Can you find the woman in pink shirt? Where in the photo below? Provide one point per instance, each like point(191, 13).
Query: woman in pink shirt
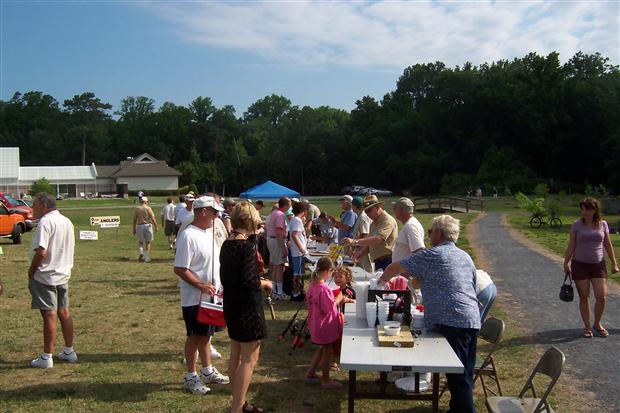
point(323, 323)
point(589, 238)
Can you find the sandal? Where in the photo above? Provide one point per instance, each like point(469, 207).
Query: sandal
point(334, 367)
point(312, 379)
point(332, 384)
point(588, 334)
point(602, 332)
point(250, 408)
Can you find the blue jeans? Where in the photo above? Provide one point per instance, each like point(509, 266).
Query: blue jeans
point(486, 298)
point(463, 342)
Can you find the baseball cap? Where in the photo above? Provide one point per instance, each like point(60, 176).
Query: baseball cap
point(358, 201)
point(207, 202)
point(144, 199)
point(404, 203)
point(347, 198)
point(189, 197)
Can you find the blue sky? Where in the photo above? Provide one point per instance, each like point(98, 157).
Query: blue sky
point(314, 53)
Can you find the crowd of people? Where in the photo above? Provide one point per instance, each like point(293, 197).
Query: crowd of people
point(218, 260)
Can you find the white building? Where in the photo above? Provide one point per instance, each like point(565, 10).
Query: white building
point(143, 173)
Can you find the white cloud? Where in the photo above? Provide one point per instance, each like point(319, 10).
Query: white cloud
point(394, 34)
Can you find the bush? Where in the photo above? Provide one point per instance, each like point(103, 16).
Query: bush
point(541, 190)
point(536, 206)
point(42, 185)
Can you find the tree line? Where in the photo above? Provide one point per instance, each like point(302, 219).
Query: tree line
point(510, 124)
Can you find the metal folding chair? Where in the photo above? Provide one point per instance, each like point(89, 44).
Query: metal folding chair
point(550, 365)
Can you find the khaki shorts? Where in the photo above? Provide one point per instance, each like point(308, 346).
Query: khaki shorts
point(275, 252)
point(144, 232)
point(48, 297)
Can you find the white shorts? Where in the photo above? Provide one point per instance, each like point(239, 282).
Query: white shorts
point(144, 232)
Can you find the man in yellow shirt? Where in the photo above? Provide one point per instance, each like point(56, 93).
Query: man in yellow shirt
point(143, 223)
point(382, 236)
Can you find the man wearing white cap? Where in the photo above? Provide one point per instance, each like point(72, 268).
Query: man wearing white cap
point(410, 239)
point(143, 223)
point(411, 235)
point(185, 215)
point(197, 265)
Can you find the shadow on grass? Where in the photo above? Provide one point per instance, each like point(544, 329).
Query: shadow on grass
point(106, 392)
point(552, 337)
point(103, 358)
point(306, 398)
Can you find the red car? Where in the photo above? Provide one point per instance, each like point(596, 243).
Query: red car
point(23, 210)
point(12, 224)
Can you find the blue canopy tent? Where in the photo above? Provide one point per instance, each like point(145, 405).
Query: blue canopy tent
point(269, 190)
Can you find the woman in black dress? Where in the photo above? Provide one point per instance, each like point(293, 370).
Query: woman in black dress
point(243, 302)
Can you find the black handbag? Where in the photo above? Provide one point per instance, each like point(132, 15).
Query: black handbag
point(566, 291)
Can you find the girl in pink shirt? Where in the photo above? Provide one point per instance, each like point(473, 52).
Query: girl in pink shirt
point(323, 323)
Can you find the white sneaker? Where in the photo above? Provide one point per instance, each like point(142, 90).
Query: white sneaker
point(215, 354)
point(147, 258)
point(195, 386)
point(215, 377)
point(42, 363)
point(71, 357)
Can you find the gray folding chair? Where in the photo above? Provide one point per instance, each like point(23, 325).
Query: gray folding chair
point(551, 365)
point(491, 331)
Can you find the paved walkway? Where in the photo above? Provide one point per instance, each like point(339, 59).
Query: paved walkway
point(532, 282)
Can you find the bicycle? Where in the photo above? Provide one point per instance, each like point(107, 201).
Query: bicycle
point(538, 220)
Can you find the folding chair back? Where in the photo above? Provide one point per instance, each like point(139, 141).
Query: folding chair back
point(491, 331)
point(551, 365)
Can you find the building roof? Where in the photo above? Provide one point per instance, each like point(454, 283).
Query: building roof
point(106, 171)
point(144, 165)
point(9, 165)
point(147, 169)
point(58, 173)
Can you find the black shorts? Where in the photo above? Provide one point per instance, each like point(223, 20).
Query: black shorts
point(192, 326)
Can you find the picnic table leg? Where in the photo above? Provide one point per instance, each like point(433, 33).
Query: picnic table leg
point(352, 390)
point(435, 392)
point(382, 382)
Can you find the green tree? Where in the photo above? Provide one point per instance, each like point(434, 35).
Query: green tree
point(42, 185)
point(88, 116)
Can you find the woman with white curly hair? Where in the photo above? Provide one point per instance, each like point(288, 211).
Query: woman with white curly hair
point(447, 277)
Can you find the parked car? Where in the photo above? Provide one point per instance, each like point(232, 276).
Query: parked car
point(23, 210)
point(382, 192)
point(25, 202)
point(12, 224)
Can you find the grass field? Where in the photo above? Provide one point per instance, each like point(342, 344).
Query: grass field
point(130, 335)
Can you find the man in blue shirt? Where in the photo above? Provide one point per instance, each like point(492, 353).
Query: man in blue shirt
point(347, 219)
point(447, 277)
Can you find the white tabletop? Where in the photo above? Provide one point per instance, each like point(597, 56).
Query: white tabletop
point(360, 351)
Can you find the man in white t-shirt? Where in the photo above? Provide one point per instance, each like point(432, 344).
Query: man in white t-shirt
point(184, 216)
point(197, 265)
point(167, 221)
point(298, 246)
point(410, 238)
point(411, 235)
point(51, 256)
